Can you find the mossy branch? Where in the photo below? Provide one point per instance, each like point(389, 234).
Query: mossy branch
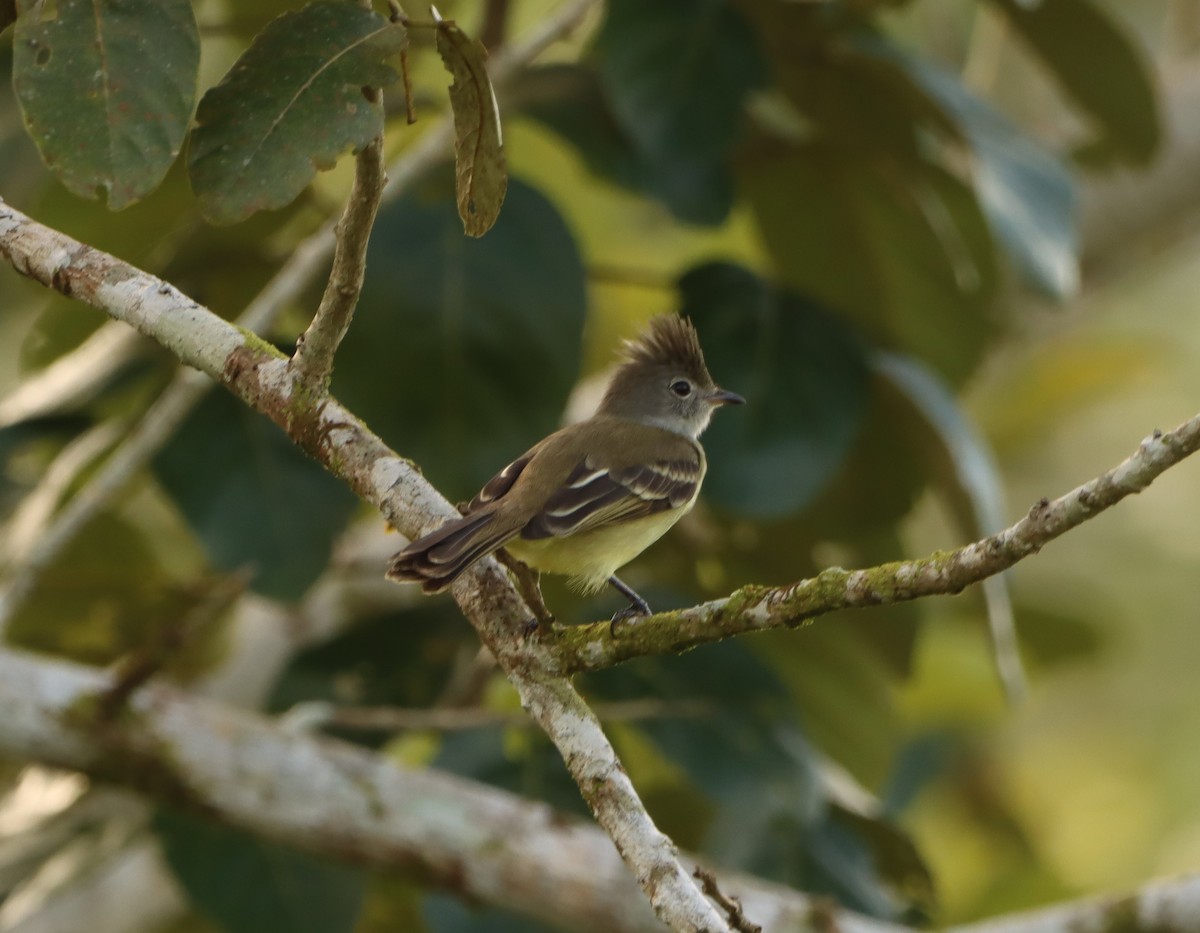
point(760, 608)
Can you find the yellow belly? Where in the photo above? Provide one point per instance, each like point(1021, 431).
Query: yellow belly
point(591, 557)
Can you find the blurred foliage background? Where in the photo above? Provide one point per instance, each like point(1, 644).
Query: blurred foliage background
point(947, 249)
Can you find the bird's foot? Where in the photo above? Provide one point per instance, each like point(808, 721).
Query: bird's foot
point(628, 616)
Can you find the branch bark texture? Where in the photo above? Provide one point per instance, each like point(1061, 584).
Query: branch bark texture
point(258, 374)
point(759, 608)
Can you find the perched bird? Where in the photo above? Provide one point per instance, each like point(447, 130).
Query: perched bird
point(589, 498)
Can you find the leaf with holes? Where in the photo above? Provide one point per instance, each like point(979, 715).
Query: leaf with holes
point(481, 176)
point(291, 105)
point(106, 90)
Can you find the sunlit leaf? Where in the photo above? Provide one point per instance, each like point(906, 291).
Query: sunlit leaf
point(803, 374)
point(291, 105)
point(255, 500)
point(463, 351)
point(107, 89)
point(1101, 67)
point(248, 885)
point(107, 595)
point(481, 176)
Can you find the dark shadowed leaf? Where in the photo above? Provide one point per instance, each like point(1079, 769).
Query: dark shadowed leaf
point(569, 100)
point(254, 499)
point(1100, 66)
point(291, 105)
point(8, 13)
point(676, 74)
point(107, 89)
point(446, 914)
point(463, 351)
point(481, 176)
point(1026, 192)
point(248, 885)
point(805, 379)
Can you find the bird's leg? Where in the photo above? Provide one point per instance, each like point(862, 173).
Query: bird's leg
point(637, 606)
point(527, 579)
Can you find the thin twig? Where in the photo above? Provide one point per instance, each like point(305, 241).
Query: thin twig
point(312, 363)
point(731, 905)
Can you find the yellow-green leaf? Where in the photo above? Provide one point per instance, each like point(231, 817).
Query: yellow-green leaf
point(481, 176)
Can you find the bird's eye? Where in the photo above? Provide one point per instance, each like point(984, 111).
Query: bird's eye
point(681, 387)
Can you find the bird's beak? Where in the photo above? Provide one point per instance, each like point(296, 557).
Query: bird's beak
point(725, 397)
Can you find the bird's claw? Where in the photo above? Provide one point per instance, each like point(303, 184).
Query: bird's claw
point(628, 616)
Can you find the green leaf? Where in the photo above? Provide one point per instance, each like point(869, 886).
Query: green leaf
point(248, 885)
point(481, 176)
point(1028, 195)
point(901, 247)
point(569, 100)
point(107, 89)
point(826, 64)
point(677, 74)
point(1098, 64)
point(962, 457)
point(291, 105)
point(463, 352)
point(253, 497)
point(803, 374)
point(107, 595)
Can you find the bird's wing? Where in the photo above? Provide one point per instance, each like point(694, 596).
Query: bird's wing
point(500, 484)
point(594, 495)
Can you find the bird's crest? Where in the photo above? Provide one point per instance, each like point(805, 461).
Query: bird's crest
point(670, 340)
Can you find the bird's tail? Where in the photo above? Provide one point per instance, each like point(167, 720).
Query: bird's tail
point(436, 560)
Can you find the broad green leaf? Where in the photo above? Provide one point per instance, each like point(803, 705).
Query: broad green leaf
point(964, 460)
point(291, 105)
point(249, 885)
point(463, 351)
point(805, 379)
point(901, 247)
point(1027, 193)
point(481, 176)
point(253, 498)
point(107, 89)
point(569, 100)
point(677, 74)
point(1101, 67)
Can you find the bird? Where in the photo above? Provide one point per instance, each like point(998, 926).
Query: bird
point(590, 497)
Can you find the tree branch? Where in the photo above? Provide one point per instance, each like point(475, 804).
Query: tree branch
point(483, 843)
point(258, 374)
point(758, 608)
point(339, 800)
point(312, 362)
